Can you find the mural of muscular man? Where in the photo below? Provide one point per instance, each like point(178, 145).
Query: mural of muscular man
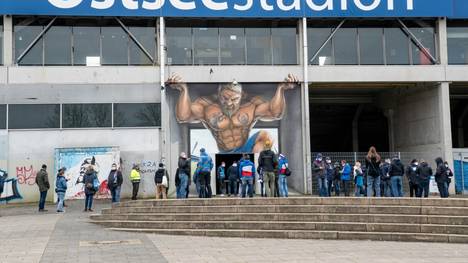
point(228, 118)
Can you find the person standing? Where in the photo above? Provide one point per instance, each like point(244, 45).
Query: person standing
point(204, 167)
point(424, 173)
point(386, 184)
point(89, 181)
point(318, 171)
point(161, 177)
point(60, 189)
point(283, 173)
point(346, 176)
point(267, 161)
point(330, 171)
point(247, 172)
point(42, 181)
point(233, 176)
point(337, 178)
point(221, 177)
point(441, 178)
point(396, 171)
point(358, 179)
point(373, 172)
point(135, 178)
point(412, 175)
point(449, 176)
point(114, 183)
point(184, 175)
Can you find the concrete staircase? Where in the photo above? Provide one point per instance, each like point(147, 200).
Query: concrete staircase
point(385, 219)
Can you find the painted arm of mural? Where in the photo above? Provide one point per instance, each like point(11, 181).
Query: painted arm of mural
point(186, 110)
point(274, 109)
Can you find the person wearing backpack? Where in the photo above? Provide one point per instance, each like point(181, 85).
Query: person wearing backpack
point(161, 178)
point(396, 171)
point(283, 173)
point(424, 173)
point(91, 187)
point(267, 161)
point(441, 178)
point(114, 183)
point(204, 167)
point(60, 189)
point(183, 176)
point(386, 185)
point(373, 172)
point(413, 180)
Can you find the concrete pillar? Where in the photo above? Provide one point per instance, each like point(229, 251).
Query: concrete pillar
point(445, 126)
point(7, 40)
point(442, 40)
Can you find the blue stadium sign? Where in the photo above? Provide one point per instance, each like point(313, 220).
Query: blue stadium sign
point(239, 8)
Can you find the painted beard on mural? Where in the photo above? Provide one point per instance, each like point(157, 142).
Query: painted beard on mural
point(230, 116)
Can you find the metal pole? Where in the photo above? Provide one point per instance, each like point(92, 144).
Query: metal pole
point(132, 37)
point(328, 40)
point(30, 46)
point(418, 43)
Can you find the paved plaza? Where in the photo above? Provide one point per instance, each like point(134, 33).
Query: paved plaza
point(27, 236)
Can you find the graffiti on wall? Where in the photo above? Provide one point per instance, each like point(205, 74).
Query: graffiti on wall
point(8, 188)
point(26, 174)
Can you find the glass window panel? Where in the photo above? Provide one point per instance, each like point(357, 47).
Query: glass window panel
point(206, 46)
point(24, 35)
point(2, 116)
point(284, 46)
point(316, 38)
point(87, 115)
point(371, 46)
point(114, 46)
point(258, 46)
point(86, 43)
point(457, 45)
point(57, 46)
point(232, 46)
point(147, 37)
point(137, 115)
point(426, 37)
point(179, 46)
point(33, 116)
point(396, 45)
point(345, 42)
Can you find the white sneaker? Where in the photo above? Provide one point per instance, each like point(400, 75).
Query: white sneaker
point(221, 195)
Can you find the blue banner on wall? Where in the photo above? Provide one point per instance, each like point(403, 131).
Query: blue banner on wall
point(239, 8)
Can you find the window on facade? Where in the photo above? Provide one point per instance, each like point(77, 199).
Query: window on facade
point(57, 46)
point(258, 46)
point(232, 44)
point(284, 42)
point(179, 46)
point(33, 116)
point(86, 115)
point(147, 37)
point(2, 117)
point(457, 45)
point(397, 46)
point(114, 46)
point(426, 36)
point(371, 46)
point(137, 115)
point(206, 46)
point(86, 44)
point(316, 38)
point(24, 35)
point(345, 44)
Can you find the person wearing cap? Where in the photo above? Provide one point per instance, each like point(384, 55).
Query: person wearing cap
point(42, 181)
point(60, 189)
point(204, 167)
point(183, 173)
point(267, 161)
point(247, 173)
point(318, 171)
point(114, 183)
point(283, 170)
point(161, 182)
point(135, 178)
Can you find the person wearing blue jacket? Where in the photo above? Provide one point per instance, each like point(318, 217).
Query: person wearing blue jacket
point(247, 173)
point(204, 166)
point(60, 189)
point(283, 167)
point(346, 176)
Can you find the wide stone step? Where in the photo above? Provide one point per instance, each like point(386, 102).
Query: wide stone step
point(280, 225)
point(337, 209)
point(301, 234)
point(292, 217)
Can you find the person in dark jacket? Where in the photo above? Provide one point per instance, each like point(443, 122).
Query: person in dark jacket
point(372, 172)
point(233, 177)
point(114, 183)
point(89, 178)
point(441, 177)
point(412, 175)
point(60, 189)
point(183, 175)
point(424, 173)
point(396, 171)
point(42, 181)
point(337, 178)
point(330, 171)
point(385, 182)
point(161, 182)
point(319, 172)
point(449, 176)
point(268, 161)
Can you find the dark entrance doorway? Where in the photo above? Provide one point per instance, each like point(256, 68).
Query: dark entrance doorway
point(228, 159)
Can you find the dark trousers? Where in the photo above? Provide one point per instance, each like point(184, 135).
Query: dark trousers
point(136, 186)
point(42, 200)
point(413, 189)
point(346, 185)
point(443, 189)
point(89, 201)
point(233, 187)
point(329, 185)
point(205, 185)
point(423, 187)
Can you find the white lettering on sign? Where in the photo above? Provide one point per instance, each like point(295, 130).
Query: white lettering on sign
point(102, 4)
point(183, 5)
point(409, 5)
point(370, 7)
point(215, 6)
point(65, 3)
point(130, 4)
point(390, 5)
point(344, 4)
point(296, 5)
point(245, 7)
point(155, 5)
point(266, 6)
point(328, 4)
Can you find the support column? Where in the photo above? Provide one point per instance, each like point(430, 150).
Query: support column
point(442, 40)
point(165, 135)
point(7, 40)
point(445, 126)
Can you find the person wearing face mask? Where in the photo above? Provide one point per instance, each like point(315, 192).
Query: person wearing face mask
point(318, 171)
point(330, 171)
point(424, 173)
point(114, 183)
point(221, 177)
point(412, 175)
point(233, 176)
